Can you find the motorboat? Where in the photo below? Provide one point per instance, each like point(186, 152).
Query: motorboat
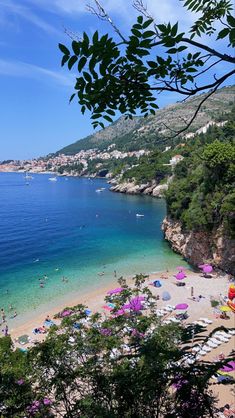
point(139, 215)
point(52, 179)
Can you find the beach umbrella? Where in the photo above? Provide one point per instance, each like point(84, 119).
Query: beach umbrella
point(67, 312)
point(166, 296)
point(225, 308)
point(207, 268)
point(23, 339)
point(181, 306)
point(115, 291)
point(230, 367)
point(180, 276)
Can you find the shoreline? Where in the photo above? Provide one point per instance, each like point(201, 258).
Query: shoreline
point(214, 288)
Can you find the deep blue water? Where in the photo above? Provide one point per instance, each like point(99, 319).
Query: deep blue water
point(66, 228)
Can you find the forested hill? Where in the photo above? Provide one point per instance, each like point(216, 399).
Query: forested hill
point(139, 133)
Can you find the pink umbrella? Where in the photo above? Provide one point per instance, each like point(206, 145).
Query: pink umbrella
point(66, 313)
point(115, 291)
point(181, 268)
point(230, 367)
point(181, 306)
point(207, 268)
point(180, 276)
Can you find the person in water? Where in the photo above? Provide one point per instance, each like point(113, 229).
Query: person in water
point(15, 314)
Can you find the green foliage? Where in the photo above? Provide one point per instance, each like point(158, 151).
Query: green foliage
point(202, 192)
point(149, 167)
point(127, 364)
point(124, 77)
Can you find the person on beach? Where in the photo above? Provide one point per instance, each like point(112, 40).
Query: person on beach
point(115, 273)
point(6, 331)
point(15, 314)
point(3, 315)
point(192, 291)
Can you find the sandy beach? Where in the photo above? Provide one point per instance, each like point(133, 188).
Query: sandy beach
point(215, 288)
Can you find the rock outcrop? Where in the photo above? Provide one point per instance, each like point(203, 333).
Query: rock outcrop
point(200, 246)
point(150, 188)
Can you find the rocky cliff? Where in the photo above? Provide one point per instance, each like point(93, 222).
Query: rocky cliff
point(199, 246)
point(150, 188)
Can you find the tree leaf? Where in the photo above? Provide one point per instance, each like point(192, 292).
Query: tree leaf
point(72, 61)
point(64, 60)
point(140, 19)
point(231, 21)
point(64, 49)
point(147, 23)
point(174, 29)
point(72, 97)
point(224, 32)
point(76, 47)
point(81, 63)
point(136, 32)
point(148, 34)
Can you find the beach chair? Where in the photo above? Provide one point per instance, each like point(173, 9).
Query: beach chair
point(196, 348)
point(221, 338)
point(215, 341)
point(206, 320)
point(212, 344)
point(206, 348)
point(231, 332)
point(202, 352)
point(202, 324)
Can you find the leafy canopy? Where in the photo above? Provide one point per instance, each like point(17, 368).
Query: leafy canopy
point(125, 76)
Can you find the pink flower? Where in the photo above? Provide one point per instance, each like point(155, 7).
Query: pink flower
point(20, 382)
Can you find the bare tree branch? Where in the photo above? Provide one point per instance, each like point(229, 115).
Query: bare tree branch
point(100, 12)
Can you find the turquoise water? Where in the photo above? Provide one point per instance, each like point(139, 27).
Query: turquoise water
point(66, 228)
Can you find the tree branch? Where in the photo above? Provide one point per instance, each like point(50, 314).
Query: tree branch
point(224, 57)
point(102, 14)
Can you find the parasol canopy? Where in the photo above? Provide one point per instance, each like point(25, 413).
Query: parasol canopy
point(181, 306)
point(225, 308)
point(180, 276)
point(115, 291)
point(206, 268)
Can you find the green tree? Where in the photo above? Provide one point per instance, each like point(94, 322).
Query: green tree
point(125, 75)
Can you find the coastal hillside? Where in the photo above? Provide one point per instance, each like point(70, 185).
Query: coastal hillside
point(147, 133)
point(200, 222)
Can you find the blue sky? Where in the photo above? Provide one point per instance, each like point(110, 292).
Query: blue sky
point(36, 118)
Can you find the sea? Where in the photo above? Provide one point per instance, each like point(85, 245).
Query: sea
point(73, 239)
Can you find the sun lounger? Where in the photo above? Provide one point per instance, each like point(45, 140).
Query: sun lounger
point(196, 349)
point(202, 352)
point(206, 320)
point(215, 341)
point(231, 332)
point(202, 324)
point(206, 348)
point(212, 344)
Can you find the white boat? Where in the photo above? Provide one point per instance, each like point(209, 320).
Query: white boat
point(28, 176)
point(139, 215)
point(99, 190)
point(52, 178)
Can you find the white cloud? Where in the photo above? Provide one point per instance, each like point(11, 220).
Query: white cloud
point(24, 12)
point(26, 70)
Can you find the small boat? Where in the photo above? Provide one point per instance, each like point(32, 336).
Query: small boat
point(139, 215)
point(99, 190)
point(28, 176)
point(52, 178)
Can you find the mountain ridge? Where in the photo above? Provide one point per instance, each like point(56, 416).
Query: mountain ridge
point(155, 130)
